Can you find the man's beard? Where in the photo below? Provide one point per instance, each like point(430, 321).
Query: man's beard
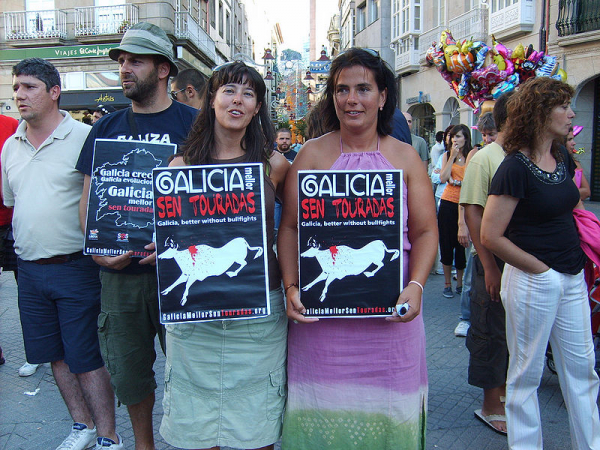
point(283, 147)
point(142, 90)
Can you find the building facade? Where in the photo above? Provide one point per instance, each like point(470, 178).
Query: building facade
point(366, 23)
point(568, 30)
point(77, 35)
point(574, 38)
point(333, 36)
point(423, 92)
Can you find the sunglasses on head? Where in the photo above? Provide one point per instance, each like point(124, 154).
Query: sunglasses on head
point(370, 51)
point(228, 63)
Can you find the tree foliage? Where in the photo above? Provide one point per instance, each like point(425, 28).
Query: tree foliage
point(300, 126)
point(290, 55)
point(283, 124)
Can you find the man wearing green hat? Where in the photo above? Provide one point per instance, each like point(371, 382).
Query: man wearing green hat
point(129, 318)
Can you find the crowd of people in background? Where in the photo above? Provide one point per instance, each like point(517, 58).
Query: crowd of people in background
point(498, 217)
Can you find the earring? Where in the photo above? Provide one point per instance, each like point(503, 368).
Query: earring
point(381, 108)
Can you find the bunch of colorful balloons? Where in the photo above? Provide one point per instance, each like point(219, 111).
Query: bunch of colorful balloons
point(477, 72)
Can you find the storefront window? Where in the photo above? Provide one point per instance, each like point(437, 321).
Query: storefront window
point(99, 80)
point(77, 81)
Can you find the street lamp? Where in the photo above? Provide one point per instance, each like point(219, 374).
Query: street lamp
point(323, 56)
point(268, 56)
point(270, 76)
point(268, 60)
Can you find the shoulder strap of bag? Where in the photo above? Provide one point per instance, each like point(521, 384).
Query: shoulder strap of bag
point(132, 125)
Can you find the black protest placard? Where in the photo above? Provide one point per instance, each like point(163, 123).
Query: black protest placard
point(211, 242)
point(119, 214)
point(350, 242)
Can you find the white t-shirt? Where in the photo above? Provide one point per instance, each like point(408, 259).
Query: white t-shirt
point(436, 152)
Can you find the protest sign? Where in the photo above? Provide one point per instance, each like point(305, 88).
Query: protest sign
point(119, 214)
point(211, 242)
point(350, 242)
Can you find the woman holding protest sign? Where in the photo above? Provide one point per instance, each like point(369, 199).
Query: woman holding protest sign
point(225, 380)
point(359, 383)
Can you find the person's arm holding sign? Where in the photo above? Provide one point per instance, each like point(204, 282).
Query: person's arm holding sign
point(287, 240)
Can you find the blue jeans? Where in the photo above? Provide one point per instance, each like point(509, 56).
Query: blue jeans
point(278, 208)
point(465, 297)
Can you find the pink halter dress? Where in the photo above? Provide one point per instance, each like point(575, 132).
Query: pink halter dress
point(357, 383)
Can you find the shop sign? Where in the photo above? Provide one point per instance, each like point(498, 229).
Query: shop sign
point(421, 98)
point(73, 51)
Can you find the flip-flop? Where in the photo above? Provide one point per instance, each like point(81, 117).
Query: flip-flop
point(488, 420)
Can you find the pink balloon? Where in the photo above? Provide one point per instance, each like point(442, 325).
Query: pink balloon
point(510, 67)
point(489, 76)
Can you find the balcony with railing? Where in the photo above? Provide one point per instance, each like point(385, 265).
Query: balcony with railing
point(428, 38)
point(188, 28)
point(472, 24)
point(102, 20)
point(577, 16)
point(512, 20)
point(50, 24)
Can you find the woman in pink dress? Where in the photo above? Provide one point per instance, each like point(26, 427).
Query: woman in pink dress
point(359, 383)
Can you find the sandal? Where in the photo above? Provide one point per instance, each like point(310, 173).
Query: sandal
point(491, 418)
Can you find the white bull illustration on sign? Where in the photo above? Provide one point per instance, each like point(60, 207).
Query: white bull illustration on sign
point(340, 261)
point(199, 262)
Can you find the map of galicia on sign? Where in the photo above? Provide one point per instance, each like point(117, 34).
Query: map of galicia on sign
point(106, 191)
point(120, 209)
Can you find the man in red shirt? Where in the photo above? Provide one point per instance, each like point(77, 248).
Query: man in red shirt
point(8, 259)
point(8, 126)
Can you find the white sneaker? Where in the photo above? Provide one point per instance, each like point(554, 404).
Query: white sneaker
point(462, 328)
point(81, 438)
point(26, 370)
point(104, 442)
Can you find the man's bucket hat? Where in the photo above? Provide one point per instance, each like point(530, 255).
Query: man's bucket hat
point(145, 38)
